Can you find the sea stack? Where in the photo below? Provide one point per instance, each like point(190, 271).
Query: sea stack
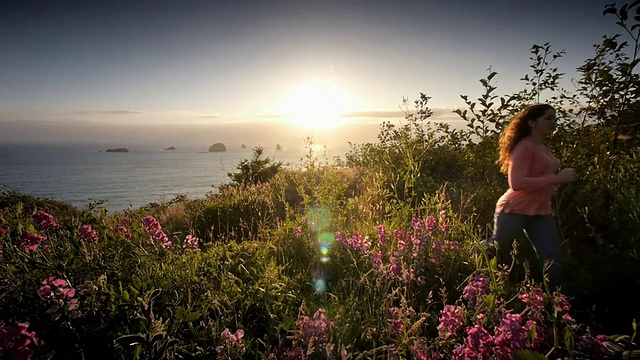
point(217, 147)
point(122, 150)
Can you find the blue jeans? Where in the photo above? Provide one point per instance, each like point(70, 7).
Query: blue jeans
point(542, 234)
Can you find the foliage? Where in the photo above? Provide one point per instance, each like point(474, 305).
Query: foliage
point(255, 170)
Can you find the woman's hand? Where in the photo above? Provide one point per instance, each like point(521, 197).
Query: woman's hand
point(566, 175)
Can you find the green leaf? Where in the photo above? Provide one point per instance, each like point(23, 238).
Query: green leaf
point(137, 352)
point(524, 354)
point(569, 341)
point(191, 317)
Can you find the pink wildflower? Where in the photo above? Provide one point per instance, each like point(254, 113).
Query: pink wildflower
point(478, 344)
point(509, 336)
point(30, 241)
point(430, 223)
point(397, 326)
point(298, 232)
point(382, 235)
point(533, 298)
point(59, 294)
point(44, 220)
point(17, 341)
point(3, 231)
point(154, 229)
point(122, 231)
point(53, 287)
point(477, 287)
point(314, 328)
point(237, 337)
point(87, 233)
point(450, 320)
point(192, 243)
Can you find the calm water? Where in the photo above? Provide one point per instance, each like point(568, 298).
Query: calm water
point(80, 174)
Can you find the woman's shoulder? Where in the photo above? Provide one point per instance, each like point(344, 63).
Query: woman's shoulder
point(525, 145)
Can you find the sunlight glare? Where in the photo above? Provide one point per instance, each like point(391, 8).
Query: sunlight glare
point(316, 105)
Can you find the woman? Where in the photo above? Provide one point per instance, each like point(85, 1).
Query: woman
point(533, 174)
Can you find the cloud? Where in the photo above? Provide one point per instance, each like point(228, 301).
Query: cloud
point(209, 116)
point(111, 112)
point(274, 116)
point(375, 114)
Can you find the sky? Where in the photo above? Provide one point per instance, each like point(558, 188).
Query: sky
point(191, 73)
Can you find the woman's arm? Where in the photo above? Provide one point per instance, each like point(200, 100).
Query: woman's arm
point(521, 159)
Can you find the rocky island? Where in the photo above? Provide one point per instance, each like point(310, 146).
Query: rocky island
point(217, 147)
point(170, 148)
point(122, 150)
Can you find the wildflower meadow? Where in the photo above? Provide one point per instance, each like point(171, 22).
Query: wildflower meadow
point(377, 255)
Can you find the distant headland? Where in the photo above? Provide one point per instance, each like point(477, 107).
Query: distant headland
point(122, 150)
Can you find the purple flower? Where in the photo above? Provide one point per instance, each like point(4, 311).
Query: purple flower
point(154, 229)
point(87, 233)
point(17, 341)
point(122, 230)
point(533, 298)
point(430, 223)
point(30, 241)
point(477, 287)
point(44, 220)
point(382, 235)
point(191, 242)
point(509, 336)
point(450, 320)
point(314, 328)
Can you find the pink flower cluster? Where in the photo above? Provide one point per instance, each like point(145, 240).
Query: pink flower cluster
point(405, 258)
point(475, 290)
point(450, 320)
point(397, 325)
point(122, 230)
point(191, 243)
point(44, 220)
point(509, 335)
point(230, 340)
point(17, 341)
point(30, 241)
point(533, 297)
point(314, 329)
point(154, 229)
point(356, 242)
point(59, 294)
point(88, 234)
point(233, 338)
point(478, 344)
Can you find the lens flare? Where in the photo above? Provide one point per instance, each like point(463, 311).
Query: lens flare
point(321, 286)
point(326, 238)
point(319, 219)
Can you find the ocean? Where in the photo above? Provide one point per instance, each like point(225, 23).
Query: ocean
point(81, 174)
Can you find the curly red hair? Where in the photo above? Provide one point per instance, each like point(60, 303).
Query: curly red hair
point(517, 130)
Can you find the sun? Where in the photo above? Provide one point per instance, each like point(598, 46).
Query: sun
point(316, 104)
